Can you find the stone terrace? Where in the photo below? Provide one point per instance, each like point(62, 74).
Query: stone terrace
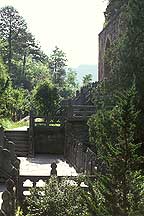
point(41, 165)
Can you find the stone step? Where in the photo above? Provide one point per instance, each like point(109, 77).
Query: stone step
point(20, 138)
point(22, 154)
point(21, 145)
point(16, 133)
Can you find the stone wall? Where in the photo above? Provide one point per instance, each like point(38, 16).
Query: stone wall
point(115, 25)
point(108, 35)
point(46, 135)
point(49, 140)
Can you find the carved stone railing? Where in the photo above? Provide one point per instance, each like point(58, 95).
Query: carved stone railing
point(27, 182)
point(83, 160)
point(9, 163)
point(8, 207)
point(76, 145)
point(90, 162)
point(80, 111)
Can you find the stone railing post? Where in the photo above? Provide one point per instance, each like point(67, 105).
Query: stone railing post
point(90, 162)
point(31, 128)
point(9, 163)
point(53, 169)
point(9, 200)
point(79, 159)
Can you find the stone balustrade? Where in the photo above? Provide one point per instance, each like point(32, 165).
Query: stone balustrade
point(81, 111)
point(83, 96)
point(25, 183)
point(77, 141)
point(9, 164)
point(18, 189)
point(83, 161)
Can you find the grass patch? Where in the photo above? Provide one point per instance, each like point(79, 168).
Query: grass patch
point(9, 124)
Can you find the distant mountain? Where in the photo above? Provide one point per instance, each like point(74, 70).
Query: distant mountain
point(84, 69)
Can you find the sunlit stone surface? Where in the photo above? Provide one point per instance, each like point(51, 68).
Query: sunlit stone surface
point(2, 188)
point(40, 165)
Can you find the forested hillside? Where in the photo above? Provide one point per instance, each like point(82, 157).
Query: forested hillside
point(28, 76)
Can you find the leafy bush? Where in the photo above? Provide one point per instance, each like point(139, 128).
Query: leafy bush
point(56, 199)
point(19, 212)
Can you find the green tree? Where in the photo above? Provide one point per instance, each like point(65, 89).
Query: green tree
point(70, 85)
point(19, 104)
point(4, 78)
point(57, 65)
point(87, 79)
point(4, 83)
point(12, 28)
point(15, 103)
point(46, 98)
point(19, 44)
point(35, 73)
point(113, 8)
point(119, 177)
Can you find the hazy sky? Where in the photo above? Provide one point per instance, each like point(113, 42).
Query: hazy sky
point(72, 25)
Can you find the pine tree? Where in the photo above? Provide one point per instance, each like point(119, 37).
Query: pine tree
point(18, 45)
point(57, 64)
point(119, 180)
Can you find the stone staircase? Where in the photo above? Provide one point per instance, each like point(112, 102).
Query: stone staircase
point(20, 138)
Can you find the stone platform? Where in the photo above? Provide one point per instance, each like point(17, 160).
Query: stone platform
point(41, 165)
